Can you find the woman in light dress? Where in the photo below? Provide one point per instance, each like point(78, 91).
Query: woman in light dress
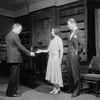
point(53, 73)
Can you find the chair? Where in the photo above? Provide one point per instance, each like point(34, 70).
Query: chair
point(94, 77)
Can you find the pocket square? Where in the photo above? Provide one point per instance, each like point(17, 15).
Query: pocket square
point(75, 36)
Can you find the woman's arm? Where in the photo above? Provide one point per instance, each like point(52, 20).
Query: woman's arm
point(40, 51)
point(45, 50)
point(61, 50)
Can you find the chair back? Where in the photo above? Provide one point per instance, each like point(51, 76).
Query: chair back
point(84, 67)
point(95, 63)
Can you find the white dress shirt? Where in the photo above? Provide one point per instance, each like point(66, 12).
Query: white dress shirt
point(72, 33)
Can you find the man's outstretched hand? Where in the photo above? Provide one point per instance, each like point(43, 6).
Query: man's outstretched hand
point(32, 54)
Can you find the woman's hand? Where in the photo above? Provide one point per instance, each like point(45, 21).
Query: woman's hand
point(39, 51)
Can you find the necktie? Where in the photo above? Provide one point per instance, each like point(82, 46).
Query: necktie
point(71, 35)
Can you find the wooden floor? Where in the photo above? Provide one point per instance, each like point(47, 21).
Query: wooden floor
point(39, 90)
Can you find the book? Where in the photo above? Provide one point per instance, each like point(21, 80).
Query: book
point(78, 18)
point(72, 11)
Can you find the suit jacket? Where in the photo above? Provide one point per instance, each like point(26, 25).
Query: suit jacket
point(13, 46)
point(77, 42)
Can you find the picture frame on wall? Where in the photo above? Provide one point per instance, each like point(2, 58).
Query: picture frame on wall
point(41, 32)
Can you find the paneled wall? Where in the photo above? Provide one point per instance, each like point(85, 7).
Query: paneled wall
point(97, 30)
point(42, 22)
point(5, 27)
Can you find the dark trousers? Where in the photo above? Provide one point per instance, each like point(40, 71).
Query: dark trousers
point(13, 79)
point(73, 72)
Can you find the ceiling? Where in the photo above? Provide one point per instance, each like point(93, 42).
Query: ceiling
point(14, 5)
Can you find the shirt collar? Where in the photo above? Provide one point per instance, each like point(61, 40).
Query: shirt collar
point(74, 29)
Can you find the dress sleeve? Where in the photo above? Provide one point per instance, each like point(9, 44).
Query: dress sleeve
point(49, 46)
point(60, 48)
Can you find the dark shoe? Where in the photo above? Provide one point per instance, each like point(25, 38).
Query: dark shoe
point(75, 94)
point(14, 95)
point(69, 91)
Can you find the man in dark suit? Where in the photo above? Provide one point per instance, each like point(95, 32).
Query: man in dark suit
point(14, 46)
point(76, 43)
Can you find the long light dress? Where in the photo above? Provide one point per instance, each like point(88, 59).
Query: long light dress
point(53, 73)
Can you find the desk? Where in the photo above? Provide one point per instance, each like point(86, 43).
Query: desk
point(39, 62)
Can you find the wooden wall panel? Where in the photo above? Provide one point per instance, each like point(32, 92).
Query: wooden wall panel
point(5, 25)
point(42, 22)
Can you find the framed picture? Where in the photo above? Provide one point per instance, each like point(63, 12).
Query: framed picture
point(41, 32)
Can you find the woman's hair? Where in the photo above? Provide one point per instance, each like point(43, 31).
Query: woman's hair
point(16, 25)
point(56, 30)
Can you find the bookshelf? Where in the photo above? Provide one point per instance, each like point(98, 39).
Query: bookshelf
point(83, 12)
point(25, 33)
point(74, 10)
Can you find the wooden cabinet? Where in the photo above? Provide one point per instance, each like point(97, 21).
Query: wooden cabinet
point(42, 21)
point(5, 27)
point(74, 10)
point(83, 13)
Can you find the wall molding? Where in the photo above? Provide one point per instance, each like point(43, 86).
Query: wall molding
point(33, 7)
